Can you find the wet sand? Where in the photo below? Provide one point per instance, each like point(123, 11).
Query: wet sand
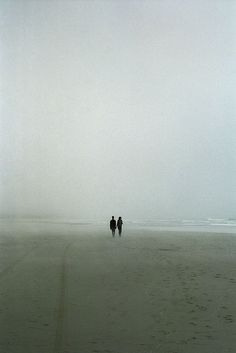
point(75, 289)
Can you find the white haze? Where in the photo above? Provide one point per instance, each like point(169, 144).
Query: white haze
point(118, 107)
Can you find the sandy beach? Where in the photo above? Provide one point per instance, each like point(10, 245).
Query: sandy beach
point(75, 289)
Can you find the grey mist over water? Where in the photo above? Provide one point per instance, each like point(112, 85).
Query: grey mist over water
point(118, 107)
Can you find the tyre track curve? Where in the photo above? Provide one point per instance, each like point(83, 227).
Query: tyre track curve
point(60, 332)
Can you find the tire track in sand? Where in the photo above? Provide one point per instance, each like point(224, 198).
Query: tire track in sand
point(60, 332)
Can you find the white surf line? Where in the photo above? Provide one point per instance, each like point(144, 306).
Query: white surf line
point(60, 334)
point(12, 266)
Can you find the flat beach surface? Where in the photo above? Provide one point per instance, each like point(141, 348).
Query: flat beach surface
point(75, 289)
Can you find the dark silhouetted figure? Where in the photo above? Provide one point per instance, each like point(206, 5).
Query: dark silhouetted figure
point(119, 225)
point(113, 226)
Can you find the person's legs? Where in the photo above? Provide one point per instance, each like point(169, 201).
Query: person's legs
point(113, 232)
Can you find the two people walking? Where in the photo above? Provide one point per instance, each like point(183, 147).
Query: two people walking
point(114, 224)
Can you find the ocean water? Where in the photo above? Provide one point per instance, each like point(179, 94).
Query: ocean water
point(221, 225)
point(201, 225)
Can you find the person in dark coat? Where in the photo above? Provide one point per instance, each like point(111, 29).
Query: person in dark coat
point(119, 225)
point(113, 226)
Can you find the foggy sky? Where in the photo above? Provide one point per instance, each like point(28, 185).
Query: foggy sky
point(118, 108)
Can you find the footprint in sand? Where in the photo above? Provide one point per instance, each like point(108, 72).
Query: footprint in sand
point(201, 307)
point(228, 318)
point(193, 323)
point(192, 311)
point(218, 275)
